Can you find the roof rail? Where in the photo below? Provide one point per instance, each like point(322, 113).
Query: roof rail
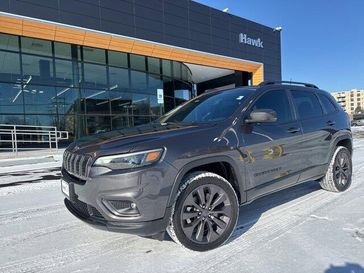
point(288, 82)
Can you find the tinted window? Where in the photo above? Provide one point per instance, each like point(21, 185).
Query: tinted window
point(36, 46)
point(9, 42)
point(211, 107)
point(327, 104)
point(275, 100)
point(94, 55)
point(307, 104)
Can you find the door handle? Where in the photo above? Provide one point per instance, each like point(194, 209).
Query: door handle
point(293, 130)
point(330, 123)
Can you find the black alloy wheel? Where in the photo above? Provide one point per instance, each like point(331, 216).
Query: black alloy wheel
point(205, 213)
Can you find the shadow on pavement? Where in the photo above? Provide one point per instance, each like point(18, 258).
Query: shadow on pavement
point(250, 214)
point(346, 268)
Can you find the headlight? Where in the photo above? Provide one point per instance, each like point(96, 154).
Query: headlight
point(128, 161)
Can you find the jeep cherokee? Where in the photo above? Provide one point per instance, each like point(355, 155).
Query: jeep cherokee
point(188, 172)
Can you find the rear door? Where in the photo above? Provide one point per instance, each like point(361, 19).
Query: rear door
point(269, 149)
point(315, 130)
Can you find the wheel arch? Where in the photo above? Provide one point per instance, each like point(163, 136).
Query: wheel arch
point(227, 167)
point(345, 140)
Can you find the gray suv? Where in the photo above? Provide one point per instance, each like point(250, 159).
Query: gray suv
point(188, 172)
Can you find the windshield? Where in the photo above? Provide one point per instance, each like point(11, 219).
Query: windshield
point(210, 107)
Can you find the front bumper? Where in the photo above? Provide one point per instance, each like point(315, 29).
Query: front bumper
point(148, 228)
point(147, 188)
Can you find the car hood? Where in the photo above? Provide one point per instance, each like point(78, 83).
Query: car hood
point(123, 141)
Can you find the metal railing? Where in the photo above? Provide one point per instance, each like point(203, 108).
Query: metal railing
point(18, 135)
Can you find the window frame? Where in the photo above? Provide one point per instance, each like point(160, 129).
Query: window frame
point(290, 104)
point(295, 108)
point(322, 105)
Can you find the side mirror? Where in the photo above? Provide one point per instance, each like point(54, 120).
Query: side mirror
point(262, 115)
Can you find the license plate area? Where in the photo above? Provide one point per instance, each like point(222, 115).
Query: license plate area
point(65, 187)
point(68, 190)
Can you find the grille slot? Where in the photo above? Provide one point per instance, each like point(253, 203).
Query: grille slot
point(81, 207)
point(77, 165)
point(86, 210)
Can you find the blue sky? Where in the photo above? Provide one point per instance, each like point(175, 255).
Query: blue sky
point(322, 40)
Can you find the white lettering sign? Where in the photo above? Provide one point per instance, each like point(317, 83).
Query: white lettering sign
point(244, 39)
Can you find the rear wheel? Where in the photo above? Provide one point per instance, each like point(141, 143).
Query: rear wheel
point(338, 176)
point(205, 212)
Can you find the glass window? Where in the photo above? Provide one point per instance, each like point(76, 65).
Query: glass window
point(118, 59)
point(141, 105)
point(156, 108)
point(307, 104)
point(177, 70)
point(137, 62)
point(67, 100)
point(64, 73)
point(120, 102)
point(154, 83)
point(119, 78)
point(185, 73)
point(167, 68)
point(120, 122)
point(68, 123)
point(12, 119)
point(62, 50)
point(95, 102)
point(11, 98)
point(154, 65)
point(169, 103)
point(94, 55)
point(138, 81)
point(36, 46)
point(276, 100)
point(182, 92)
point(95, 76)
point(40, 99)
point(9, 67)
point(327, 104)
point(211, 107)
point(37, 69)
point(97, 124)
point(41, 120)
point(9, 42)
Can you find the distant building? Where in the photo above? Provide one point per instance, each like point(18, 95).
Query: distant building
point(351, 101)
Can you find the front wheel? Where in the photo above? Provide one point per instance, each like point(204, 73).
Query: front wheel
point(338, 175)
point(205, 213)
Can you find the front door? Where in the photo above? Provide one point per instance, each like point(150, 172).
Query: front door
point(270, 149)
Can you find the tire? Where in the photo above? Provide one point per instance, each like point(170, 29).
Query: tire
point(205, 213)
point(338, 175)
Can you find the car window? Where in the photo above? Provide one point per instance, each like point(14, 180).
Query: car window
point(276, 100)
point(306, 103)
point(327, 104)
point(209, 107)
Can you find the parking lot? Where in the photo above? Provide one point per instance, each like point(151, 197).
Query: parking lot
point(302, 229)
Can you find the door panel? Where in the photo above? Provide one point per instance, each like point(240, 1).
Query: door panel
point(316, 132)
point(270, 149)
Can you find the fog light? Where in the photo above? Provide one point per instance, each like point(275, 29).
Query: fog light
point(122, 207)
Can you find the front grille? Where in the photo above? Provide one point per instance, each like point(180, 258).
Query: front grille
point(86, 210)
point(81, 207)
point(77, 165)
point(120, 204)
point(95, 212)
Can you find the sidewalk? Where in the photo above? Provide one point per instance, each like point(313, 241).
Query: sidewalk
point(30, 160)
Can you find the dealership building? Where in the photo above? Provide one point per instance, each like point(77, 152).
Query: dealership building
point(88, 66)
